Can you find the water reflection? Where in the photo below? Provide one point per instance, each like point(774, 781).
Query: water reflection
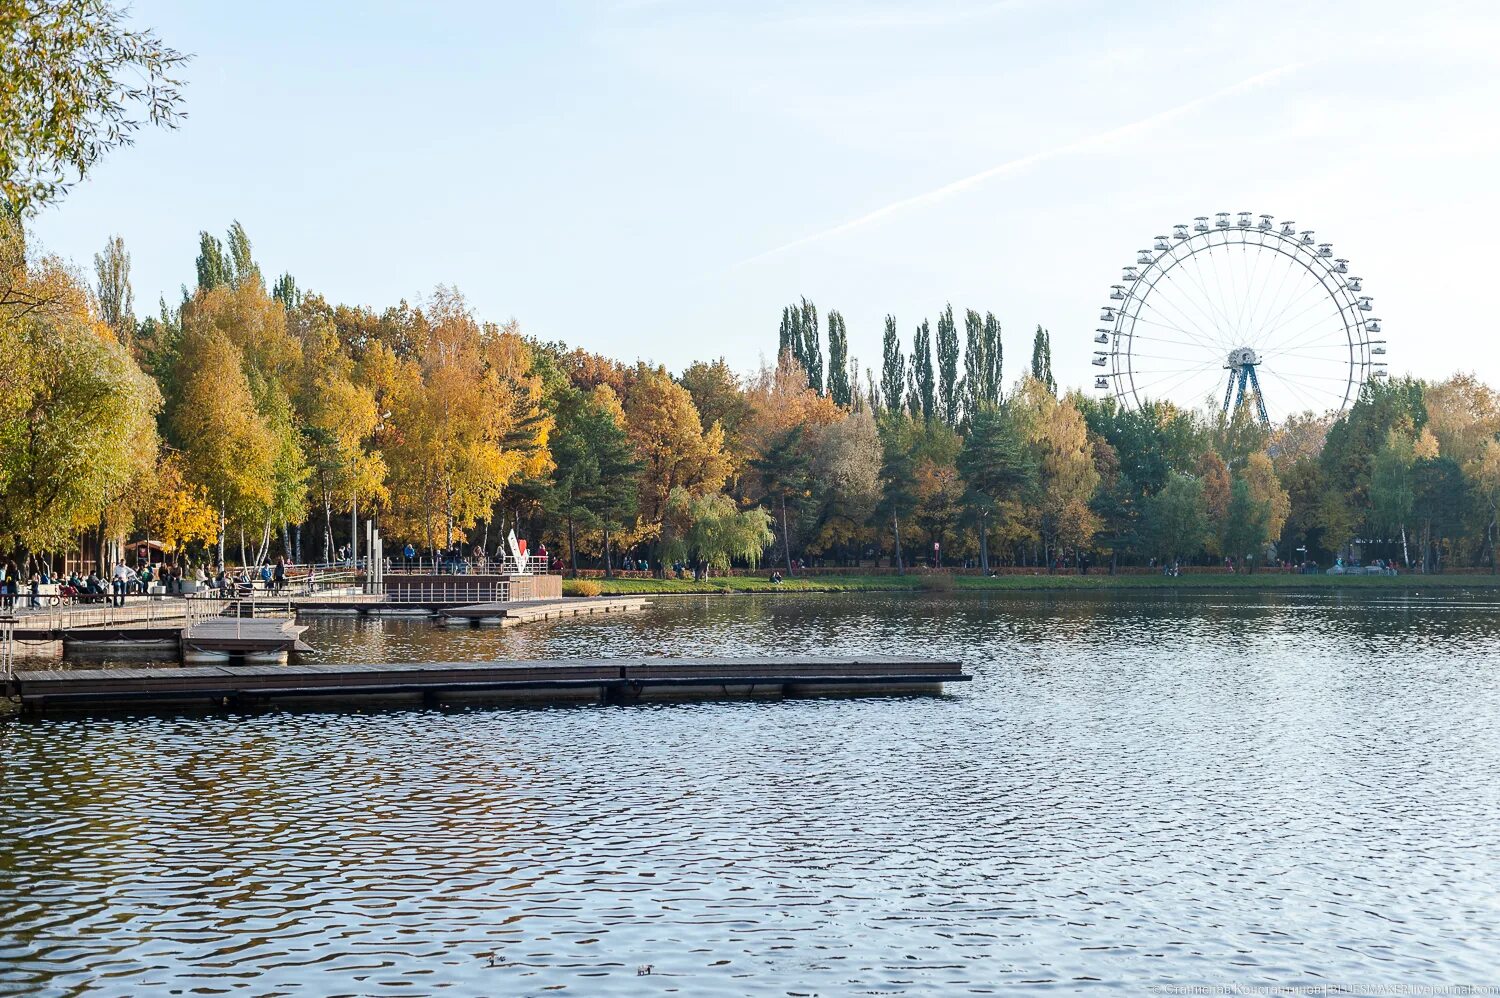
point(1154, 789)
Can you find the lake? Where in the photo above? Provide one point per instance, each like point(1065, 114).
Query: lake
point(1138, 790)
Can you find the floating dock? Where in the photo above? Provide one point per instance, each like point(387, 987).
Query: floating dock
point(509, 614)
point(617, 680)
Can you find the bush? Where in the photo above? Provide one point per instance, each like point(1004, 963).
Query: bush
point(937, 582)
point(582, 587)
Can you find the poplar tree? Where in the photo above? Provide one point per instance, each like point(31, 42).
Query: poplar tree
point(285, 290)
point(214, 268)
point(976, 364)
point(242, 266)
point(893, 369)
point(116, 306)
point(838, 361)
point(923, 381)
point(812, 347)
point(947, 367)
point(994, 356)
point(1041, 360)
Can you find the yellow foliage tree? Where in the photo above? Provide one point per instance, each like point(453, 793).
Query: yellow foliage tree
point(670, 439)
point(177, 512)
point(1266, 491)
point(468, 428)
point(1058, 437)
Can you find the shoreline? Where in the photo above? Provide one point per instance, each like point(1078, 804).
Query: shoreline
point(940, 584)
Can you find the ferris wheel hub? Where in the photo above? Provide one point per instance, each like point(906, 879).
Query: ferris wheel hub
point(1241, 357)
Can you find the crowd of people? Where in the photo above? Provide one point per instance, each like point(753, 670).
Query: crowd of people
point(29, 588)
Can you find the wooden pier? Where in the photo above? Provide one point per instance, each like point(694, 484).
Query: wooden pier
point(510, 614)
point(618, 680)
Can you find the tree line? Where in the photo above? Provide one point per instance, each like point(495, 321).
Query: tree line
point(248, 419)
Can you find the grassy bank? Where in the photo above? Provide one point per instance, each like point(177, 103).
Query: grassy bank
point(1254, 582)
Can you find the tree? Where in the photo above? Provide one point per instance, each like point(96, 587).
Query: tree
point(898, 472)
point(893, 368)
point(242, 266)
point(1175, 522)
point(845, 478)
point(176, 511)
point(1041, 360)
point(214, 268)
point(1266, 492)
point(227, 447)
point(285, 290)
point(1484, 474)
point(1439, 496)
point(1247, 528)
point(719, 397)
point(812, 347)
point(594, 486)
point(923, 398)
point(711, 532)
point(1463, 415)
point(77, 423)
point(838, 361)
point(1213, 473)
point(976, 363)
point(1058, 440)
point(75, 83)
point(1391, 488)
point(116, 301)
point(470, 429)
point(671, 441)
point(783, 470)
point(997, 468)
point(950, 390)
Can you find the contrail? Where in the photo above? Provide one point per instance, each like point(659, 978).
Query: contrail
point(1025, 162)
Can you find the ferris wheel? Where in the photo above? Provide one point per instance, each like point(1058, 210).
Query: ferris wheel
point(1230, 311)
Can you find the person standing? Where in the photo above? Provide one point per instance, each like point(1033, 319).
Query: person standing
point(278, 577)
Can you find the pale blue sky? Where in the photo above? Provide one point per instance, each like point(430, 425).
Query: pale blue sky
point(655, 178)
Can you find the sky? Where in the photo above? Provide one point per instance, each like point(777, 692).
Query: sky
point(655, 179)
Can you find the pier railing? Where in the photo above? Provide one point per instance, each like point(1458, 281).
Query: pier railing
point(202, 608)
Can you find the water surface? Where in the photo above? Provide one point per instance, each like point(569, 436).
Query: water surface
point(1137, 789)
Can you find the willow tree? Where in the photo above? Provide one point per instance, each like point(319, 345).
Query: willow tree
point(711, 532)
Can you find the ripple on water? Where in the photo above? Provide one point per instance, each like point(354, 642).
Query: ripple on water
point(1138, 790)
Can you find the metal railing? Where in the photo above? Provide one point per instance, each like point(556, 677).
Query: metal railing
point(450, 590)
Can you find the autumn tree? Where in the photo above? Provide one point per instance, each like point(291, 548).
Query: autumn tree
point(1058, 440)
point(676, 450)
point(77, 423)
point(75, 83)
